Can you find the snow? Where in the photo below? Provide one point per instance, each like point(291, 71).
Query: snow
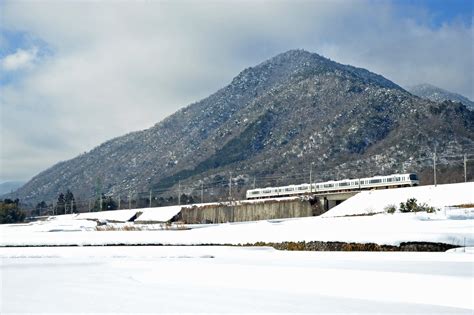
point(440, 196)
point(449, 225)
point(157, 214)
point(389, 229)
point(115, 215)
point(220, 279)
point(232, 280)
point(161, 214)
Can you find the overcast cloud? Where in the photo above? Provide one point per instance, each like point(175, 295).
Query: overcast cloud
point(103, 69)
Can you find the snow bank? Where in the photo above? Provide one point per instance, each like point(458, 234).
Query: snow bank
point(375, 201)
point(160, 214)
point(390, 229)
point(111, 215)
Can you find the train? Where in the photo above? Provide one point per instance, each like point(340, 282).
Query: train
point(376, 182)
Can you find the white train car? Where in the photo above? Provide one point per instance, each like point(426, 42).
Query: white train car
point(376, 182)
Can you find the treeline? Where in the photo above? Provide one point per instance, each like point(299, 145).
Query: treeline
point(10, 211)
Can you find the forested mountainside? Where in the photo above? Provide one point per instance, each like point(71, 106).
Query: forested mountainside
point(295, 111)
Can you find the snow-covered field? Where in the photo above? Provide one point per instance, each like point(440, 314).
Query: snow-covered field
point(219, 279)
point(449, 225)
point(382, 229)
point(232, 280)
point(375, 201)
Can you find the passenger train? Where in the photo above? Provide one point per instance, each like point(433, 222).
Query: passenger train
point(376, 182)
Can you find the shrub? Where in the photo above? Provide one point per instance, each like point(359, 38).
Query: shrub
point(409, 206)
point(390, 209)
point(412, 206)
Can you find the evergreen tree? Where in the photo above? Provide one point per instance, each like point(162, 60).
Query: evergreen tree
point(10, 211)
point(41, 208)
point(60, 205)
point(70, 202)
point(104, 203)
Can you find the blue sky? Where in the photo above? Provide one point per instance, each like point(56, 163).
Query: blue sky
point(68, 65)
point(438, 12)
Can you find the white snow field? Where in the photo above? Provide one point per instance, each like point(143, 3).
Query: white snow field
point(449, 225)
point(375, 201)
point(200, 279)
point(220, 279)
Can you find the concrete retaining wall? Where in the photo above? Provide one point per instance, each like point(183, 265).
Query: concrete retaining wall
point(250, 211)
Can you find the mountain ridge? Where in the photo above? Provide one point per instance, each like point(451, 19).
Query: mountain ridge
point(437, 94)
point(275, 118)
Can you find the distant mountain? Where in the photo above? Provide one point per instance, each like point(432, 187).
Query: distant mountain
point(437, 94)
point(8, 187)
point(273, 122)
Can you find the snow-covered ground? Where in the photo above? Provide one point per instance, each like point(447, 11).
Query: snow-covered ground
point(449, 225)
point(375, 201)
point(218, 279)
point(232, 280)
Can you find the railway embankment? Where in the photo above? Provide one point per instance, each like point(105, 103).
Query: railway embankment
point(240, 211)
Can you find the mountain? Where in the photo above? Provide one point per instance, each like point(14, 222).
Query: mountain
point(272, 123)
point(437, 94)
point(7, 187)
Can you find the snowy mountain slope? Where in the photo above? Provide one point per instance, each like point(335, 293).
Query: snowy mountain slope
point(274, 119)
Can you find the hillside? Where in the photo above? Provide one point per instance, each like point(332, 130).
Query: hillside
point(437, 94)
point(274, 119)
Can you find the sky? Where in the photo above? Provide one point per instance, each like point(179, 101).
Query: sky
point(75, 74)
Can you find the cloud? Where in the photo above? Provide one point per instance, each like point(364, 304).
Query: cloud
point(20, 59)
point(117, 67)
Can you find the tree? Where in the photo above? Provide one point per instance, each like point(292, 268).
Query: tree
point(70, 202)
point(105, 203)
point(109, 203)
point(60, 205)
point(10, 211)
point(41, 208)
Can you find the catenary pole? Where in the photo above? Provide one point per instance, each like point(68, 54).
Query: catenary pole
point(179, 193)
point(230, 186)
point(434, 167)
point(465, 168)
point(202, 192)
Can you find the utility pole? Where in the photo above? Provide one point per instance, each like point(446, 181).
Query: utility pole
point(465, 168)
point(119, 201)
point(230, 186)
point(89, 205)
point(101, 202)
point(254, 182)
point(150, 198)
point(202, 192)
point(179, 193)
point(434, 167)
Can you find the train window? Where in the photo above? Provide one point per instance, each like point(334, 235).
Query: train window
point(267, 191)
point(303, 188)
point(389, 180)
point(397, 179)
point(413, 177)
point(289, 189)
point(328, 185)
point(344, 184)
point(255, 192)
point(375, 181)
